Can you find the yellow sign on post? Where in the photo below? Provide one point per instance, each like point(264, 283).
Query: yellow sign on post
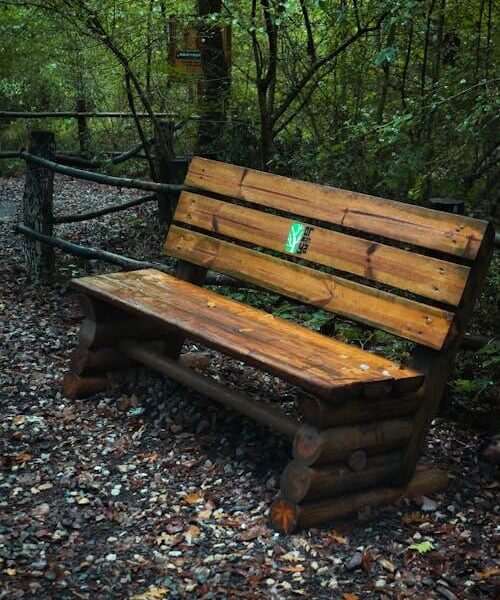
point(185, 42)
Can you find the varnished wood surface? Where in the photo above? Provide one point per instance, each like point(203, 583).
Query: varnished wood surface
point(406, 318)
point(287, 516)
point(313, 446)
point(439, 280)
point(321, 365)
point(322, 415)
point(424, 227)
point(301, 483)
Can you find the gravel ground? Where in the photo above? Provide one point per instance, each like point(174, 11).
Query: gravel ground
point(150, 491)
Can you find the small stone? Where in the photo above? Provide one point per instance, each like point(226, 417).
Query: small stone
point(446, 593)
point(50, 576)
point(203, 425)
point(355, 561)
point(111, 557)
point(428, 505)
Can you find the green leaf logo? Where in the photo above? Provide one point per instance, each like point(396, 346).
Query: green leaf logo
point(294, 237)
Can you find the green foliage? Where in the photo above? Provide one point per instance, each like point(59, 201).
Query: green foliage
point(407, 111)
point(422, 547)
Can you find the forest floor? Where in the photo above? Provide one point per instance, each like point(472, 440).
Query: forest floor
point(151, 491)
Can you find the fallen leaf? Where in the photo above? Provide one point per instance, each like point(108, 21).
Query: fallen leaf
point(292, 557)
point(45, 486)
point(22, 457)
point(165, 539)
point(211, 304)
point(489, 572)
point(203, 515)
point(153, 593)
point(292, 569)
point(10, 572)
point(151, 457)
point(388, 566)
point(367, 560)
point(349, 596)
point(422, 547)
point(193, 498)
point(337, 537)
point(414, 517)
point(251, 534)
point(192, 533)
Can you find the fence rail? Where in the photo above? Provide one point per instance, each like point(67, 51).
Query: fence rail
point(39, 218)
point(16, 114)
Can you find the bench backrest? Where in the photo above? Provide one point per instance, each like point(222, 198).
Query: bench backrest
point(242, 212)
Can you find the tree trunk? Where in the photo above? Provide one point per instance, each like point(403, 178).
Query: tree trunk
point(216, 81)
point(84, 138)
point(164, 152)
point(37, 208)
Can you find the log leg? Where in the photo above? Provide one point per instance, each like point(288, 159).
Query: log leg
point(287, 516)
point(97, 360)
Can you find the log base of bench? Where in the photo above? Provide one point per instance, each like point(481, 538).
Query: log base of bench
point(344, 453)
point(287, 516)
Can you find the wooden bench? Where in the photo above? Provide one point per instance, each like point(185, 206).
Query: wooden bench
point(407, 270)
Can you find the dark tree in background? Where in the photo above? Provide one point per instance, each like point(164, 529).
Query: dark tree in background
point(215, 84)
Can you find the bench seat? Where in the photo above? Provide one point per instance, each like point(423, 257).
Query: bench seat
point(323, 366)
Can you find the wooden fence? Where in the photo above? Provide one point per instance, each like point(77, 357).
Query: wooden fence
point(39, 218)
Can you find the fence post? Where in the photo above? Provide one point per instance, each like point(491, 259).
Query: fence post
point(37, 208)
point(164, 152)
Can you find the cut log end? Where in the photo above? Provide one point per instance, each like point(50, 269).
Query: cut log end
point(307, 445)
point(357, 461)
point(74, 386)
point(295, 481)
point(284, 516)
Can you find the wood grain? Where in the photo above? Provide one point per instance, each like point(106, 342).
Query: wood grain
point(322, 415)
point(453, 234)
point(287, 516)
point(300, 483)
point(314, 362)
point(412, 320)
point(313, 446)
point(429, 277)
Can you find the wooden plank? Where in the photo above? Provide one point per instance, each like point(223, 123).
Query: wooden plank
point(429, 277)
point(445, 232)
point(312, 361)
point(420, 323)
